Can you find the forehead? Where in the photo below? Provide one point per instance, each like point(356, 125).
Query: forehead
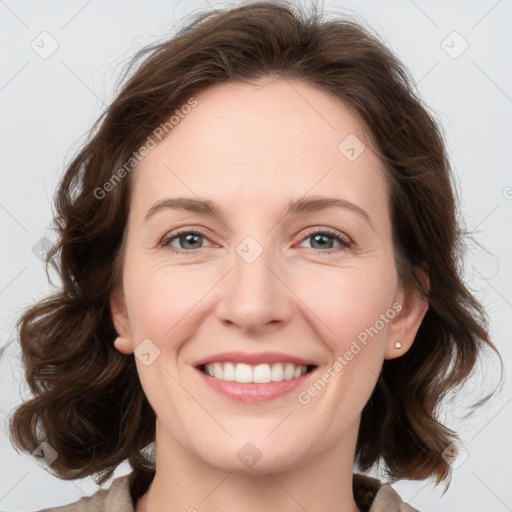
point(241, 143)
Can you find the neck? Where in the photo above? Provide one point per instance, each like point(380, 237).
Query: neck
point(322, 483)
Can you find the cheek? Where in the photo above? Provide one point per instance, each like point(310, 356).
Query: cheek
point(349, 302)
point(357, 317)
point(163, 302)
point(352, 313)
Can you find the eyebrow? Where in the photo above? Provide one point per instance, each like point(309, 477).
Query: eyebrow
point(299, 206)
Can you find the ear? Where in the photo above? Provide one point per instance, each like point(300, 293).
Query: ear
point(121, 322)
point(406, 323)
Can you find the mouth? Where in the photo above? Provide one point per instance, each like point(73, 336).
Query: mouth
point(243, 373)
point(254, 377)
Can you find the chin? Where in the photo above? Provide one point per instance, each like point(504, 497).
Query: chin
point(250, 458)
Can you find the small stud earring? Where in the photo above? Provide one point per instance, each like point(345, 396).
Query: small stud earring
point(398, 345)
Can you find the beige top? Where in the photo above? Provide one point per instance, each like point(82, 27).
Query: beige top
point(370, 494)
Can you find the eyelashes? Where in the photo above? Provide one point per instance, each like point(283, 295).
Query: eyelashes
point(344, 241)
point(166, 242)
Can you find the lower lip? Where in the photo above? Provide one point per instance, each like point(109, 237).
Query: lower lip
point(253, 392)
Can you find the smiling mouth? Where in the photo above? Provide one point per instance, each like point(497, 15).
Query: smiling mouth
point(259, 374)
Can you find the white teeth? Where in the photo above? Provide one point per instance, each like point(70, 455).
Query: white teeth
point(229, 371)
point(288, 371)
point(260, 374)
point(277, 372)
point(243, 373)
point(217, 370)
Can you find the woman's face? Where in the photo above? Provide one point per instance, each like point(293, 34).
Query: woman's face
point(261, 281)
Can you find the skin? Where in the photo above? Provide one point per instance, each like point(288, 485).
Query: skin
point(251, 149)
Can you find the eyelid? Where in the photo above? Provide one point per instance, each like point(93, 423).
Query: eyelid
point(345, 241)
point(327, 231)
point(185, 230)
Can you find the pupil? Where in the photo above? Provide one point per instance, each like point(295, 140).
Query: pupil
point(319, 236)
point(189, 238)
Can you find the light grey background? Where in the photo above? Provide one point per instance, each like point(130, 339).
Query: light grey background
point(48, 104)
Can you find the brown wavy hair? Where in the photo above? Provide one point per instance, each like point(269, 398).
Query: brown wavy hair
point(88, 403)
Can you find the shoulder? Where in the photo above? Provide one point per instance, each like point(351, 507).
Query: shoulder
point(387, 500)
point(114, 499)
point(372, 495)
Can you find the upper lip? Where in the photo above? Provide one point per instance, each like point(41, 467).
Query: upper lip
point(254, 358)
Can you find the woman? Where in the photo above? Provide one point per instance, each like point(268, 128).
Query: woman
point(260, 366)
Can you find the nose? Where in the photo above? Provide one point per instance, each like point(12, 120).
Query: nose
point(254, 296)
